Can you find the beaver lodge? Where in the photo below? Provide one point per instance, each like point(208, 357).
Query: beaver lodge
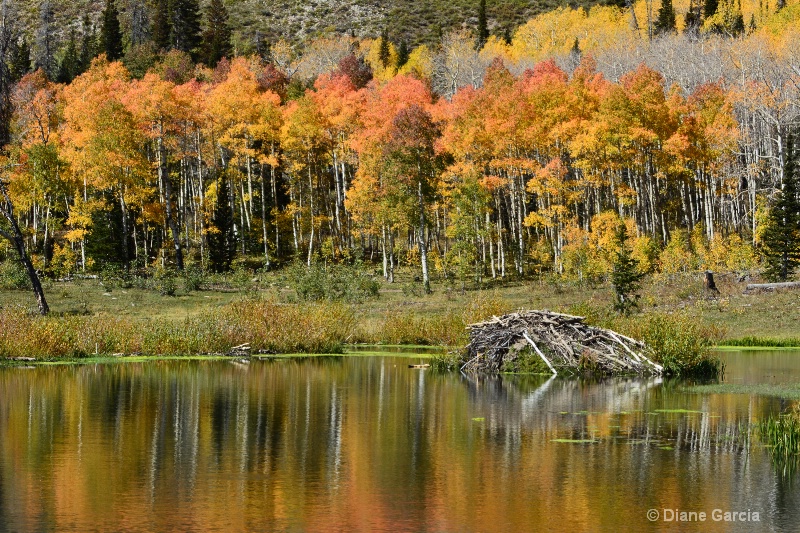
point(537, 341)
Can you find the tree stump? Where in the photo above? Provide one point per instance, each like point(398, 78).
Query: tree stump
point(708, 282)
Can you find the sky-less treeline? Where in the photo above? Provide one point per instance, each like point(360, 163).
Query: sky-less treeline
point(517, 158)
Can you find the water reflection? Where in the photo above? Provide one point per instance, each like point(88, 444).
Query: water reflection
point(364, 443)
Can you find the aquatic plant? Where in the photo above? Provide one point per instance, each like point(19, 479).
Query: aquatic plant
point(678, 342)
point(782, 435)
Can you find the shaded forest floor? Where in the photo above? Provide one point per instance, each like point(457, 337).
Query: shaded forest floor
point(767, 316)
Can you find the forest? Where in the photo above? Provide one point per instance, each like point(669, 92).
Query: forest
point(478, 157)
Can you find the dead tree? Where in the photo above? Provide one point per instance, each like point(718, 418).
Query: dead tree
point(17, 239)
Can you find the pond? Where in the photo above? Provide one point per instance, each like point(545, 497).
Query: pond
point(367, 443)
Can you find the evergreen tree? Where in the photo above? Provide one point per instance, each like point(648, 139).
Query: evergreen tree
point(221, 245)
point(575, 54)
point(110, 34)
point(185, 34)
point(737, 19)
point(7, 38)
point(665, 21)
point(625, 277)
point(710, 8)
point(88, 45)
point(45, 40)
point(383, 50)
point(140, 31)
point(162, 25)
point(20, 63)
point(217, 37)
point(692, 20)
point(69, 66)
point(402, 54)
point(483, 25)
point(781, 236)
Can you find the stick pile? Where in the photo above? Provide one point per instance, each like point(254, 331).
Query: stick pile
point(564, 342)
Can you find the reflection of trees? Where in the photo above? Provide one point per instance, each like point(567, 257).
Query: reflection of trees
point(358, 443)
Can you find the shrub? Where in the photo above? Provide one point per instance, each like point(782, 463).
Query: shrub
point(332, 282)
point(13, 276)
point(678, 342)
point(267, 326)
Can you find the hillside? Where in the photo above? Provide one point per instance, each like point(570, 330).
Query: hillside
point(296, 20)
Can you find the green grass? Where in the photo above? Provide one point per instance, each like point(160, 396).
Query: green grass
point(781, 434)
point(400, 316)
point(763, 342)
point(787, 391)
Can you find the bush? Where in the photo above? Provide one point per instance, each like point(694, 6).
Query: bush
point(331, 282)
point(678, 342)
point(193, 278)
point(13, 276)
point(165, 282)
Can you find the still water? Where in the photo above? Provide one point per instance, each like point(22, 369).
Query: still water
point(365, 443)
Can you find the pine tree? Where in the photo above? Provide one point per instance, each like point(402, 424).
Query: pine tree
point(710, 8)
point(737, 19)
point(221, 245)
point(692, 20)
point(89, 48)
point(383, 49)
point(625, 277)
point(20, 63)
point(185, 34)
point(402, 54)
point(110, 33)
point(162, 25)
point(575, 54)
point(139, 28)
point(781, 236)
point(665, 21)
point(483, 25)
point(217, 37)
point(70, 64)
point(45, 40)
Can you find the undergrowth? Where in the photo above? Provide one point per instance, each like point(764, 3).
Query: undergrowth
point(267, 326)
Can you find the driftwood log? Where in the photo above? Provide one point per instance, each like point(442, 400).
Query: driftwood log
point(564, 343)
point(772, 286)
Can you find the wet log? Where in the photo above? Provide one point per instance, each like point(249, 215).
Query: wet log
point(243, 350)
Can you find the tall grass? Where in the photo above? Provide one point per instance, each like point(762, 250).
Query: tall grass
point(758, 342)
point(782, 435)
point(678, 342)
point(445, 328)
point(267, 326)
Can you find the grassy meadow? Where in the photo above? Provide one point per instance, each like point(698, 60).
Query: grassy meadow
point(108, 316)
